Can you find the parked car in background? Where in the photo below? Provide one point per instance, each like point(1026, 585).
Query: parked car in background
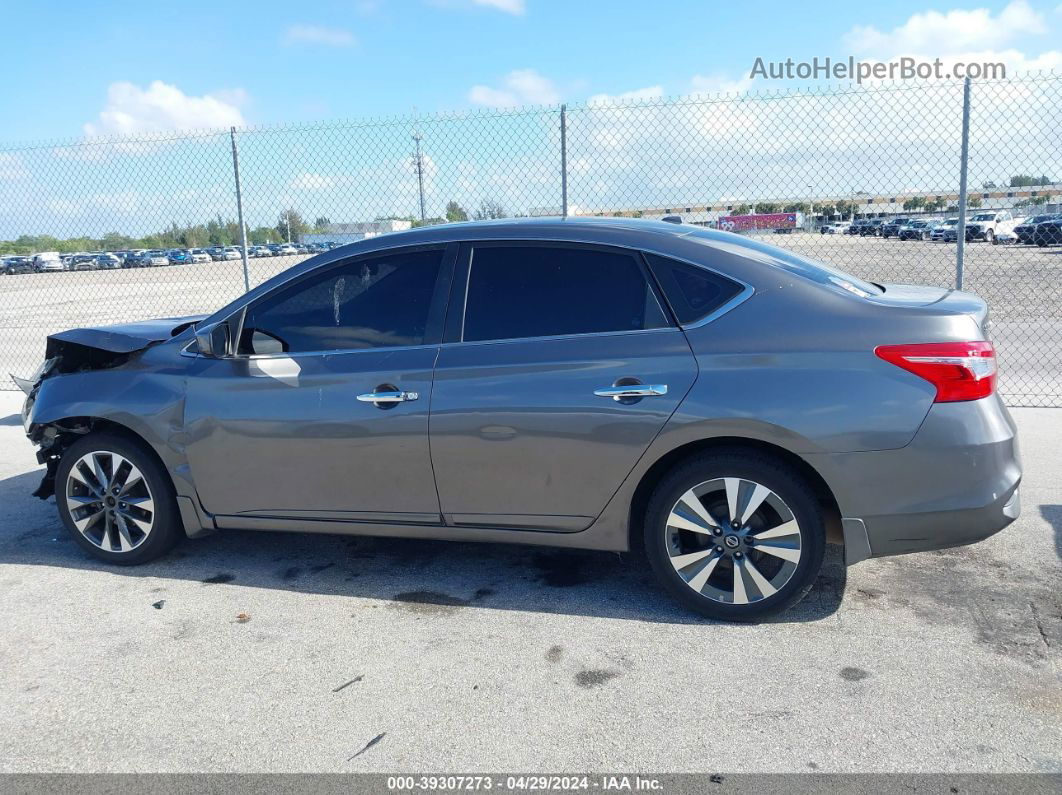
point(286, 249)
point(217, 253)
point(944, 226)
point(872, 228)
point(131, 258)
point(231, 253)
point(1024, 230)
point(1048, 233)
point(987, 225)
point(588, 383)
point(892, 227)
point(835, 228)
point(15, 265)
point(48, 262)
point(918, 230)
point(81, 262)
point(107, 261)
point(199, 255)
point(179, 256)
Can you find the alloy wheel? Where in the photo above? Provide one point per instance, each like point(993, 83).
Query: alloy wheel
point(109, 501)
point(733, 540)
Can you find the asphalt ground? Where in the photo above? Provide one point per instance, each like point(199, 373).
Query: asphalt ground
point(278, 652)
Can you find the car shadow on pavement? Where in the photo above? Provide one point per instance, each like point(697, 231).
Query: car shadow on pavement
point(1053, 515)
point(11, 419)
point(421, 575)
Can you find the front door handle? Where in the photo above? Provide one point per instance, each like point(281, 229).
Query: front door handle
point(632, 391)
point(388, 397)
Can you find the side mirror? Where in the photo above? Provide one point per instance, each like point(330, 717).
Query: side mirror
point(215, 341)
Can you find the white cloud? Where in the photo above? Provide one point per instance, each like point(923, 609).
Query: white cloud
point(319, 35)
point(519, 87)
point(719, 83)
point(508, 6)
point(131, 110)
point(311, 181)
point(12, 169)
point(953, 32)
point(637, 95)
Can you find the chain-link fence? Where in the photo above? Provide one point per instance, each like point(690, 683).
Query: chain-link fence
point(867, 179)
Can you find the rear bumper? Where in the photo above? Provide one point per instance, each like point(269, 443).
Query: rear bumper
point(956, 483)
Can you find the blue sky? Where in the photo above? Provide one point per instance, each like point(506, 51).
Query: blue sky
point(140, 69)
point(262, 62)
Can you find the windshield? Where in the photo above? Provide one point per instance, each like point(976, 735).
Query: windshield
point(985, 217)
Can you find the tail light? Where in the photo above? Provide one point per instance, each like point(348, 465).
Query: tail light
point(959, 370)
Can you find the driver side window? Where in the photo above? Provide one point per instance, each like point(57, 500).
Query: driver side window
point(379, 302)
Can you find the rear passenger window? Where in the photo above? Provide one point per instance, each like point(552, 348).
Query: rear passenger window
point(546, 291)
point(692, 292)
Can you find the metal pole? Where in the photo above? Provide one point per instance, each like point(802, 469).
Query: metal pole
point(239, 208)
point(564, 161)
point(420, 175)
point(960, 238)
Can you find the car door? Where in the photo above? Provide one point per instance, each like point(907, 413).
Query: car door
point(560, 367)
point(323, 411)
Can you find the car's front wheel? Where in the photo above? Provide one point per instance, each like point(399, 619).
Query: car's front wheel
point(735, 536)
point(116, 499)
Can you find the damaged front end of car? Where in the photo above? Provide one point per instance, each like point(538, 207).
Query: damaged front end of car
point(82, 351)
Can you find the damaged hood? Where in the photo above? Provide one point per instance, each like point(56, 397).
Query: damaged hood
point(124, 337)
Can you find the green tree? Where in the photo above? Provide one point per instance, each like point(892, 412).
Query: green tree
point(290, 225)
point(845, 209)
point(1028, 181)
point(914, 203)
point(766, 208)
point(455, 212)
point(489, 209)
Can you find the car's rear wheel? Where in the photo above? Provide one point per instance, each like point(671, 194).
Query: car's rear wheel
point(116, 499)
point(735, 536)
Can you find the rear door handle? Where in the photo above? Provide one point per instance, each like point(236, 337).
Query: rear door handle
point(632, 391)
point(387, 397)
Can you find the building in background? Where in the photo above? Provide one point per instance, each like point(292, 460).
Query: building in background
point(359, 230)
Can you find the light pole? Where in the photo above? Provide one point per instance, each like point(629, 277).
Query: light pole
point(420, 173)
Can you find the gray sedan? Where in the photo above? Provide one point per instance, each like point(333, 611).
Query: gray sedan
point(720, 403)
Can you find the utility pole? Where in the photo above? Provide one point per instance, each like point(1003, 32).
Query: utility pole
point(418, 161)
point(287, 220)
point(964, 160)
point(239, 208)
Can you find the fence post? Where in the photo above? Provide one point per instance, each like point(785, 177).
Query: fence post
point(960, 239)
point(564, 160)
point(239, 208)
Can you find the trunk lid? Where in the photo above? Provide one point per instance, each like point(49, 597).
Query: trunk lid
point(939, 299)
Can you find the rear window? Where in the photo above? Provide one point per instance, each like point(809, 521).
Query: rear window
point(793, 263)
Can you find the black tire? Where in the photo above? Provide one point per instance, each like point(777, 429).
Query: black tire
point(757, 468)
point(166, 528)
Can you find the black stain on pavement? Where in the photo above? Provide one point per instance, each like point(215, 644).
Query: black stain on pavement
point(356, 679)
point(217, 579)
point(850, 674)
point(429, 602)
point(158, 605)
point(553, 654)
point(291, 573)
point(594, 677)
point(369, 745)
